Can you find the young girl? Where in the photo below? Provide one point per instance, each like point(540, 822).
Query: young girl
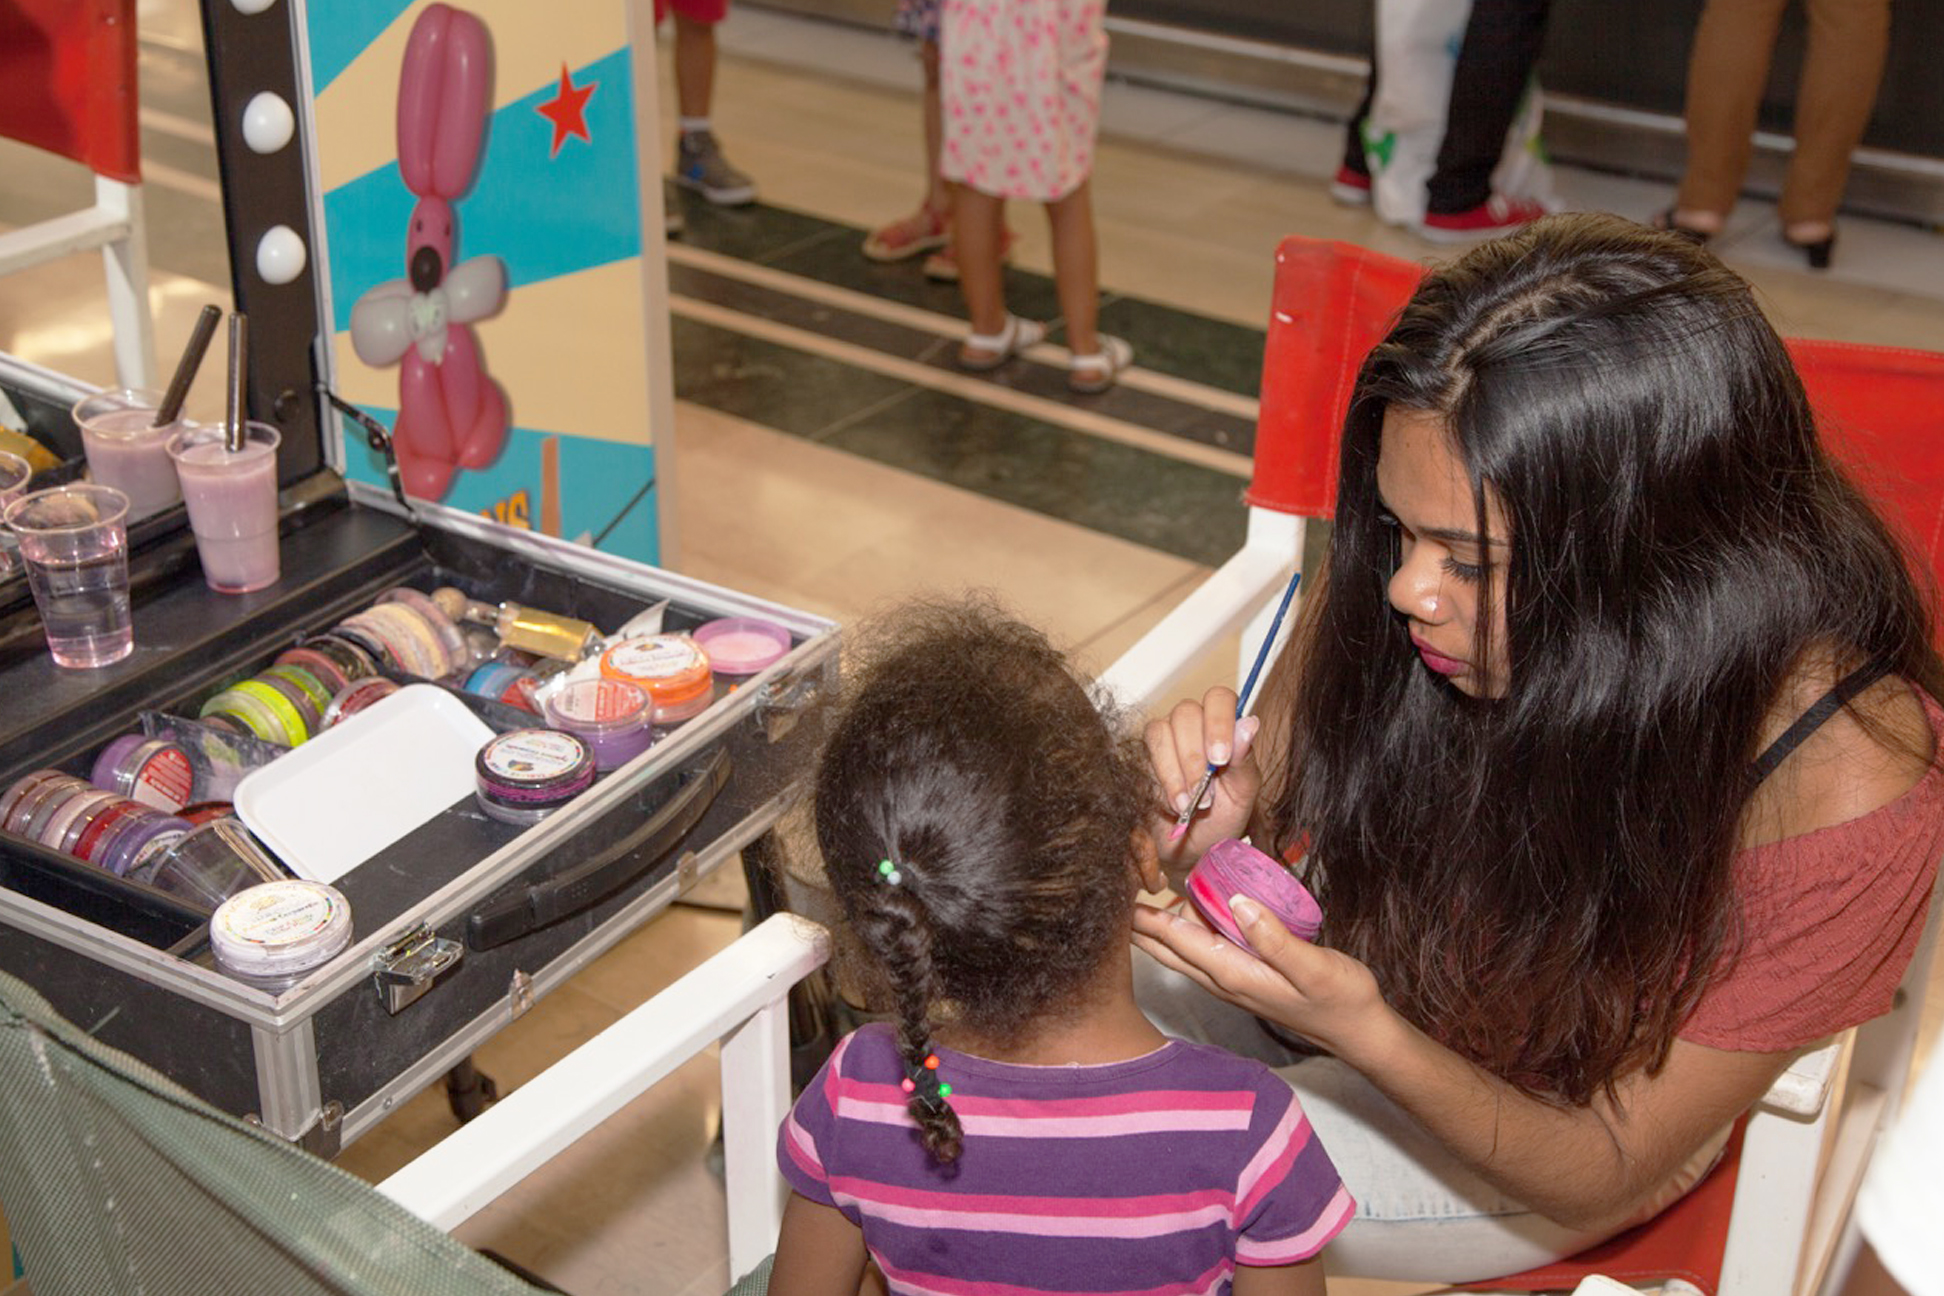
point(1020, 85)
point(1020, 1126)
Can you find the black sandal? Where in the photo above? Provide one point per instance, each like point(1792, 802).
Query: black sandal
point(1665, 221)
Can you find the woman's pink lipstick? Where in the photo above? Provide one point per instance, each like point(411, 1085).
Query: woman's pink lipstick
point(1437, 661)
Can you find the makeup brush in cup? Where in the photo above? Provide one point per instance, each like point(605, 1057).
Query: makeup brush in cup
point(185, 372)
point(1241, 706)
point(239, 348)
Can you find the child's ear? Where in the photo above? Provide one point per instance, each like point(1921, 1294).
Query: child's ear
point(1146, 862)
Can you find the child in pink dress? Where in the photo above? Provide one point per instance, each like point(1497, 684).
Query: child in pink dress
point(1020, 84)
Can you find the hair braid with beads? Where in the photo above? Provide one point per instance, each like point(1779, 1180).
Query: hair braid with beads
point(972, 758)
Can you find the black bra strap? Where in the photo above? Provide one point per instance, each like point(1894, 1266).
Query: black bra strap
point(1811, 720)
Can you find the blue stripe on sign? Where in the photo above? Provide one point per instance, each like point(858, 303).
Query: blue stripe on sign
point(599, 484)
point(545, 216)
point(339, 32)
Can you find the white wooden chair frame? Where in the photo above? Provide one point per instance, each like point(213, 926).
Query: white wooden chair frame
point(116, 225)
point(740, 997)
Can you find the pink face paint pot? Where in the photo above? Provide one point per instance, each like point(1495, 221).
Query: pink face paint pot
point(458, 652)
point(153, 771)
point(1234, 867)
point(613, 717)
point(671, 667)
point(25, 787)
point(271, 934)
point(526, 774)
point(326, 673)
point(355, 697)
point(61, 821)
point(742, 645)
point(32, 811)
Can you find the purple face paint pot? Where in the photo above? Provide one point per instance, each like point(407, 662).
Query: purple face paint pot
point(139, 847)
point(272, 933)
point(742, 645)
point(153, 771)
point(613, 717)
point(1234, 867)
point(526, 774)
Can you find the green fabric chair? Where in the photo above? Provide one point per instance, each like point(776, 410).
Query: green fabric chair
point(115, 1179)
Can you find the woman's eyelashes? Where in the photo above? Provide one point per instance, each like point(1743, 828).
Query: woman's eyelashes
point(1467, 573)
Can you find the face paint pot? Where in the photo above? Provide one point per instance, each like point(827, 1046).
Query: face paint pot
point(738, 646)
point(153, 771)
point(271, 934)
point(502, 681)
point(526, 774)
point(671, 667)
point(355, 697)
point(142, 842)
point(1233, 867)
point(613, 717)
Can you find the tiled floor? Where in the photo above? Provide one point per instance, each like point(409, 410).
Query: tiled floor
point(835, 469)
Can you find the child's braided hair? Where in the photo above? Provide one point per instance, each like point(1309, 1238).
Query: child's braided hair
point(975, 809)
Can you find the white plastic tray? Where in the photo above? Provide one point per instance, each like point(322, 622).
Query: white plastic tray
point(359, 786)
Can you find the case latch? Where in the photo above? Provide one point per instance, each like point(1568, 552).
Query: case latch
point(406, 968)
point(784, 700)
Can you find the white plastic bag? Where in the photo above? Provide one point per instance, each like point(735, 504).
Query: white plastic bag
point(1417, 49)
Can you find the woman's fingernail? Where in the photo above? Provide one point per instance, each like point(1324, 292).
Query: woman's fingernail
point(1207, 801)
point(1218, 753)
point(1247, 728)
point(1181, 803)
point(1246, 911)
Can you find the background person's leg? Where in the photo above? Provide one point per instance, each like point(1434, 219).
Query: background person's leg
point(1495, 62)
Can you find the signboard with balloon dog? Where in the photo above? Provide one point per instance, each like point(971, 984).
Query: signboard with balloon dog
point(481, 197)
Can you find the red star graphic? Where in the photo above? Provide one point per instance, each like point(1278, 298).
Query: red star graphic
point(567, 110)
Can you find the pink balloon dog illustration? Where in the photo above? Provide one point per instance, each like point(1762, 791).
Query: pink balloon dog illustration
point(451, 415)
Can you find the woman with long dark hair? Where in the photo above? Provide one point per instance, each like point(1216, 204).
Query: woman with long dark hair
point(1607, 745)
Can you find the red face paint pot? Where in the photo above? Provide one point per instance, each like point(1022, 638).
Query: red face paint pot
point(103, 832)
point(526, 774)
point(613, 717)
point(742, 645)
point(153, 771)
point(1234, 867)
point(355, 697)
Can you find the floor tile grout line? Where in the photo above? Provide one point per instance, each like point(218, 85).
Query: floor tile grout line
point(823, 434)
point(978, 390)
point(917, 317)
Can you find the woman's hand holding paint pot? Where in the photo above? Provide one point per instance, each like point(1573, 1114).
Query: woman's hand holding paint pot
point(1321, 994)
point(1181, 746)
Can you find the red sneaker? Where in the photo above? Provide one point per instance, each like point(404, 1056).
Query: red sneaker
point(1497, 215)
point(1350, 188)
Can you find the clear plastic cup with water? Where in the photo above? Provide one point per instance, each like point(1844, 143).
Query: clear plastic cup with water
point(74, 544)
point(15, 473)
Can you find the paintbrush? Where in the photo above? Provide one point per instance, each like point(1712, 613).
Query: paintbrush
point(1241, 706)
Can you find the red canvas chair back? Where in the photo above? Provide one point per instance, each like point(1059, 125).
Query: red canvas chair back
point(67, 81)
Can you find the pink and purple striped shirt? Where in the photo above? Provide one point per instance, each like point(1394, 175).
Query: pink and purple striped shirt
point(1155, 1176)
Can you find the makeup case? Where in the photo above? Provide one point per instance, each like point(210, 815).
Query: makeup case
point(461, 922)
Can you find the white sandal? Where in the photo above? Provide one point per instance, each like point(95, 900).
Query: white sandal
point(1090, 374)
point(996, 348)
